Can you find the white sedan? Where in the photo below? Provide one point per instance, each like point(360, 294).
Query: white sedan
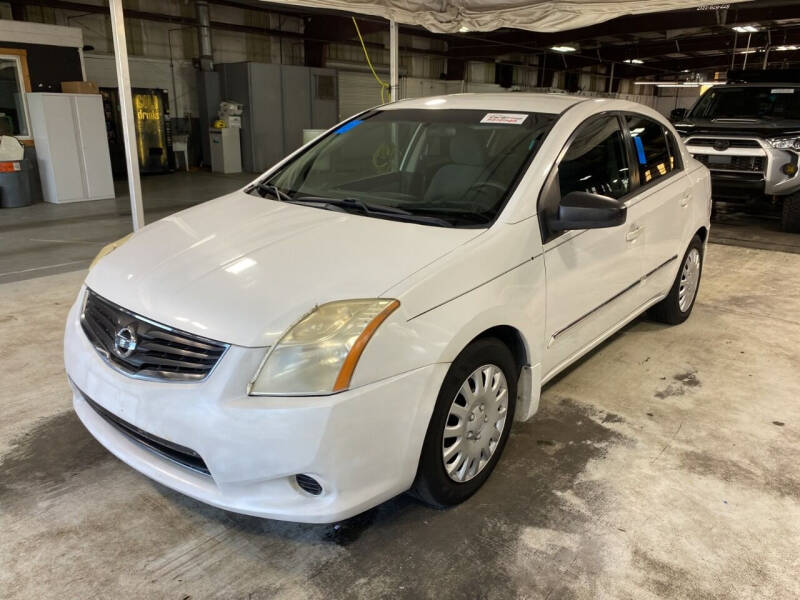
point(370, 315)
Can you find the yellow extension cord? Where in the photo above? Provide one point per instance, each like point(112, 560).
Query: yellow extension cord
point(381, 82)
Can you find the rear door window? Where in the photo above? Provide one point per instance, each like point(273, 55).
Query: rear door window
point(653, 158)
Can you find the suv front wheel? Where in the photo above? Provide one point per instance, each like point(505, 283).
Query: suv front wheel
point(790, 218)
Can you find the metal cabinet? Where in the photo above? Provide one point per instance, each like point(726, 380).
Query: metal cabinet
point(280, 101)
point(69, 131)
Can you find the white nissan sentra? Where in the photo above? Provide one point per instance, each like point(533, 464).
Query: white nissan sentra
point(371, 315)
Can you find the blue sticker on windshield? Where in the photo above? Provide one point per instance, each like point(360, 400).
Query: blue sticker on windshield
point(349, 126)
point(637, 141)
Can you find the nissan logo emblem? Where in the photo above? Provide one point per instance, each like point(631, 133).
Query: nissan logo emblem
point(125, 342)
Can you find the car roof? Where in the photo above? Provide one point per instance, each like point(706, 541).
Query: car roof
point(758, 84)
point(540, 103)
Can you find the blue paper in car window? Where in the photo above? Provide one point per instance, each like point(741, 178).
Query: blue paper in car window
point(348, 126)
point(637, 141)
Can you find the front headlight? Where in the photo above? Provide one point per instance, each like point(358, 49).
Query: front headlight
point(319, 353)
point(109, 248)
point(785, 143)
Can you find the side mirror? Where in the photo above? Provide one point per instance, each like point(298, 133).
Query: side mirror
point(582, 210)
point(677, 114)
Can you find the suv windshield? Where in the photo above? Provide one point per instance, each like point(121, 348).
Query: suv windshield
point(441, 167)
point(768, 102)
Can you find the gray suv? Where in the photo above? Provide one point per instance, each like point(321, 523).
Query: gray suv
point(748, 135)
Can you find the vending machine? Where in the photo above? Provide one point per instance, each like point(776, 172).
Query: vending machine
point(152, 128)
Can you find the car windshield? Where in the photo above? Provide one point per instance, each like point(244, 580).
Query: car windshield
point(768, 102)
point(441, 167)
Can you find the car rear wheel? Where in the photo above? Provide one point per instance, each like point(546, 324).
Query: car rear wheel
point(790, 218)
point(470, 424)
point(678, 304)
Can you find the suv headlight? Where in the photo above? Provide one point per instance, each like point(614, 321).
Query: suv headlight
point(785, 143)
point(319, 353)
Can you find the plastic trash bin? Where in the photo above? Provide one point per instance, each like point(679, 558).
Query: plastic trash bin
point(16, 183)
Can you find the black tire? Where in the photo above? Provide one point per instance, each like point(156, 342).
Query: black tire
point(432, 484)
point(669, 309)
point(790, 217)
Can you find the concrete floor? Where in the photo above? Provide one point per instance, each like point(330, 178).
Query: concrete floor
point(731, 225)
point(665, 465)
point(44, 238)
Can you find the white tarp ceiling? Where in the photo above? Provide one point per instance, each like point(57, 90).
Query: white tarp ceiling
point(450, 16)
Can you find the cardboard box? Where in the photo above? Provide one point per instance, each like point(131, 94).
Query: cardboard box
point(79, 87)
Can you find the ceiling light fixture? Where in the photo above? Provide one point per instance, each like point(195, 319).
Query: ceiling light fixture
point(678, 83)
point(745, 28)
point(784, 48)
point(563, 48)
point(634, 61)
point(463, 30)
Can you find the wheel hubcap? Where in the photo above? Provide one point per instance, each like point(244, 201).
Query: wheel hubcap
point(475, 423)
point(690, 277)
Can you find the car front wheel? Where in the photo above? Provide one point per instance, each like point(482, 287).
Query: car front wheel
point(470, 424)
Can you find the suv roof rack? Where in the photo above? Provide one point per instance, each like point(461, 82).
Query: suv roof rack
point(765, 76)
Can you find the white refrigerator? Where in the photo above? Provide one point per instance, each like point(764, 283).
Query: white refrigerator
point(69, 132)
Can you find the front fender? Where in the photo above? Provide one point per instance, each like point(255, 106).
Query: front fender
point(515, 299)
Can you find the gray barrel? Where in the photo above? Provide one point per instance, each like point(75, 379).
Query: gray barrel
point(17, 185)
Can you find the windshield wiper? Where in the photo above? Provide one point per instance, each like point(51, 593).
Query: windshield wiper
point(273, 190)
point(475, 217)
point(349, 204)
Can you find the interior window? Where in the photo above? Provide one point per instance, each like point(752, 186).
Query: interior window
point(12, 100)
point(595, 161)
point(650, 143)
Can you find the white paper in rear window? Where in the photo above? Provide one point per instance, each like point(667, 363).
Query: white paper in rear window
point(504, 118)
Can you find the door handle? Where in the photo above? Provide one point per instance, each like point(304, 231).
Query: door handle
point(685, 201)
point(633, 233)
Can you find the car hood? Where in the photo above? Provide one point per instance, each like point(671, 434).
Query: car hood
point(242, 269)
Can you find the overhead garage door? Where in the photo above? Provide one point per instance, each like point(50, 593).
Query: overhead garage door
point(357, 92)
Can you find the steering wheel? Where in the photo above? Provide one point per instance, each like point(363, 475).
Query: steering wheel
point(483, 188)
point(487, 184)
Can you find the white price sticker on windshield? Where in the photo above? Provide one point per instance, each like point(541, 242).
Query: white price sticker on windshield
point(782, 91)
point(504, 118)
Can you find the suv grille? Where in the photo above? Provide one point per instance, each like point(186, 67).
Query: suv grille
point(732, 142)
point(141, 348)
point(727, 162)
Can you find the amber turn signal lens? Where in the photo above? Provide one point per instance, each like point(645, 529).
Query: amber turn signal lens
point(346, 372)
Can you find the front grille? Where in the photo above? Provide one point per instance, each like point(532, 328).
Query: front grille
point(182, 455)
point(727, 162)
point(732, 142)
point(142, 348)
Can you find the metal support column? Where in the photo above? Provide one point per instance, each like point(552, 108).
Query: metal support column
point(611, 79)
point(394, 61)
point(126, 110)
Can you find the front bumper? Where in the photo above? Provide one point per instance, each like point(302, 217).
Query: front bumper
point(742, 182)
point(362, 445)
